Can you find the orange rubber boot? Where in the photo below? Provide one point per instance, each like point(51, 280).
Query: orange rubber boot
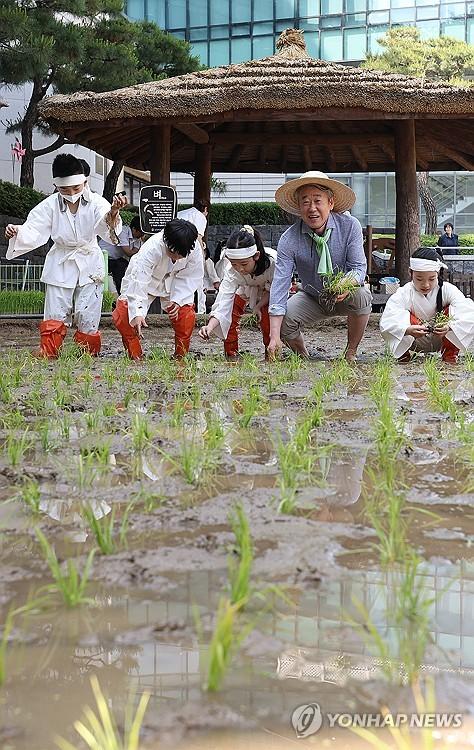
point(53, 333)
point(130, 338)
point(231, 344)
point(449, 352)
point(183, 330)
point(90, 342)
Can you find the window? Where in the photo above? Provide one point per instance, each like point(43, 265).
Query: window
point(136, 9)
point(284, 9)
point(263, 46)
point(331, 6)
point(262, 28)
point(177, 14)
point(219, 32)
point(312, 43)
point(219, 11)
point(470, 30)
point(455, 28)
point(263, 10)
point(375, 19)
point(99, 164)
point(426, 13)
point(196, 35)
point(331, 45)
point(355, 44)
point(403, 15)
point(428, 29)
point(200, 49)
point(310, 24)
point(309, 8)
point(241, 11)
point(242, 29)
point(218, 53)
point(354, 6)
point(453, 10)
point(355, 19)
point(198, 13)
point(241, 50)
point(375, 33)
point(156, 12)
point(330, 22)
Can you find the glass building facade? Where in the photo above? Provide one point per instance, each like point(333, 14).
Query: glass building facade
point(232, 31)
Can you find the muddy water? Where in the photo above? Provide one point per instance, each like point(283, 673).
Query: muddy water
point(139, 630)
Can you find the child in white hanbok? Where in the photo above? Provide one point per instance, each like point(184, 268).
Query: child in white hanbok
point(170, 266)
point(405, 322)
point(246, 281)
point(74, 266)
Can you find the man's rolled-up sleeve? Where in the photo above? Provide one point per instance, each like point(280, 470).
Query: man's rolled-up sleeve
point(356, 262)
point(284, 266)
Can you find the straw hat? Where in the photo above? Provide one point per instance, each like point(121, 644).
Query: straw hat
point(285, 196)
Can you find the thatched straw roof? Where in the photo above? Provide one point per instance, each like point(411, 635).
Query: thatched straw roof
point(288, 87)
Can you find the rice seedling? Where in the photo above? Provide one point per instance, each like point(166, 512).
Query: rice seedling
point(86, 470)
point(295, 468)
point(35, 400)
point(214, 434)
point(65, 425)
point(13, 420)
point(102, 528)
point(241, 558)
point(385, 510)
point(335, 284)
point(62, 397)
point(7, 629)
point(109, 374)
point(30, 494)
point(439, 396)
point(165, 365)
point(224, 643)
point(440, 320)
point(87, 380)
point(71, 352)
point(93, 421)
point(44, 429)
point(68, 582)
point(109, 410)
point(16, 447)
point(178, 411)
point(5, 391)
point(151, 499)
point(27, 302)
point(141, 432)
point(99, 731)
point(99, 454)
point(251, 405)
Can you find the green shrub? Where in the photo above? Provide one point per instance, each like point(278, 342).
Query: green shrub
point(18, 201)
point(127, 215)
point(429, 240)
point(467, 241)
point(246, 213)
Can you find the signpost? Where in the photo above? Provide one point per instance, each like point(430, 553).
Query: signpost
point(157, 206)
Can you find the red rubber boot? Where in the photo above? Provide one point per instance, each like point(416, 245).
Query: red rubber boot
point(53, 333)
point(183, 330)
point(231, 344)
point(449, 352)
point(90, 342)
point(130, 338)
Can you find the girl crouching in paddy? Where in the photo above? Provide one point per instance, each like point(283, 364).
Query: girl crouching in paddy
point(427, 314)
point(246, 281)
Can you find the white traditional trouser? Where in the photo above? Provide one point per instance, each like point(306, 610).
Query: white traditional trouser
point(201, 301)
point(80, 307)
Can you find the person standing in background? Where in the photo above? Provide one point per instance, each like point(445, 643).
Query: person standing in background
point(197, 215)
point(449, 240)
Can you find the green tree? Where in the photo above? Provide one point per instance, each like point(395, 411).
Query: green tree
point(62, 46)
point(440, 59)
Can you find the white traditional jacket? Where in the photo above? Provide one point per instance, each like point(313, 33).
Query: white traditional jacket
point(195, 217)
point(75, 257)
point(210, 275)
point(396, 316)
point(249, 287)
point(151, 273)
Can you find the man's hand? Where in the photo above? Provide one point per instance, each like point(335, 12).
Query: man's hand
point(173, 311)
point(274, 347)
point(10, 231)
point(417, 331)
point(138, 323)
point(342, 297)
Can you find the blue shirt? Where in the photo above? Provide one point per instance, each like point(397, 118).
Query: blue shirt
point(296, 252)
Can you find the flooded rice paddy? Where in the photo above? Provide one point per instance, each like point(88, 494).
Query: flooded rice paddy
point(356, 488)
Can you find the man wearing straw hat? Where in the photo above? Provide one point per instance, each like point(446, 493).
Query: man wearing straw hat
point(323, 240)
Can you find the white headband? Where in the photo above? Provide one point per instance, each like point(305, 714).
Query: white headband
point(423, 264)
point(72, 179)
point(240, 253)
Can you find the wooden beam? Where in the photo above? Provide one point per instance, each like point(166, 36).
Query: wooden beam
point(283, 158)
point(308, 163)
point(360, 159)
point(203, 172)
point(193, 132)
point(407, 223)
point(160, 155)
point(450, 133)
point(453, 154)
point(331, 159)
point(300, 139)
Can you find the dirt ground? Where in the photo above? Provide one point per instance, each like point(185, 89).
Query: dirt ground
point(152, 601)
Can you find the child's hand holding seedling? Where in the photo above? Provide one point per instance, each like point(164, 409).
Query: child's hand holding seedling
point(439, 325)
point(417, 331)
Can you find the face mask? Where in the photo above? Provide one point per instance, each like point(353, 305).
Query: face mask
point(73, 198)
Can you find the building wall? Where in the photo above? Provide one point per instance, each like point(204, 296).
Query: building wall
point(17, 99)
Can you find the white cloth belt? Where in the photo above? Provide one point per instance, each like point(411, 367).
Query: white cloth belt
point(82, 248)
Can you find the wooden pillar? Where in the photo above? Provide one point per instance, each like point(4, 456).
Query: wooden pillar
point(368, 247)
point(203, 172)
point(407, 223)
point(160, 157)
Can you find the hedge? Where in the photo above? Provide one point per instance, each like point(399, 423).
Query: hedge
point(18, 201)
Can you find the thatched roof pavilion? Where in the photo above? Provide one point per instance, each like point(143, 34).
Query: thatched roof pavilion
point(284, 113)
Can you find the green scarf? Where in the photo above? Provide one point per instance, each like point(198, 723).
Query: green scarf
point(322, 247)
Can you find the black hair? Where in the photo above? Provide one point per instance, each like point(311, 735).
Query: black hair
point(243, 238)
point(218, 250)
point(448, 224)
point(180, 236)
point(135, 223)
point(65, 165)
point(87, 169)
point(429, 253)
point(201, 204)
